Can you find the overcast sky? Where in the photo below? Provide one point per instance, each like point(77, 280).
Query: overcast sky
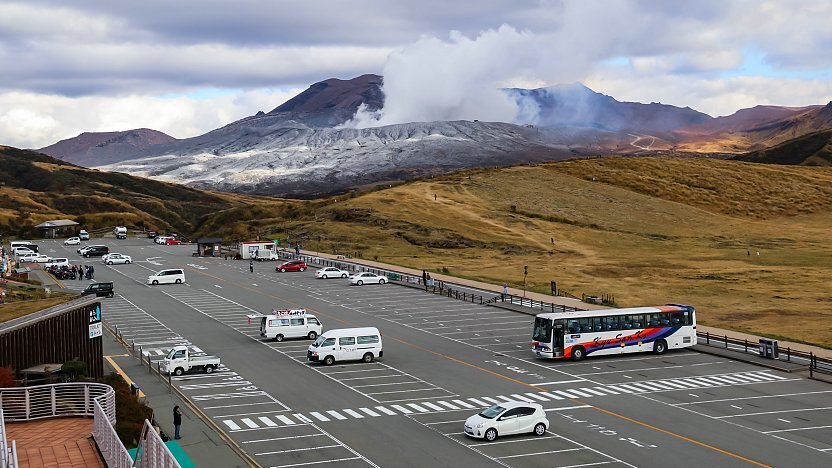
point(186, 67)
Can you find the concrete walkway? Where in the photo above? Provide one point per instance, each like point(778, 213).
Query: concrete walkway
point(497, 289)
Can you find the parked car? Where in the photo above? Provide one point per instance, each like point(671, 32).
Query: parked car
point(161, 239)
point(84, 235)
point(40, 258)
point(117, 258)
point(27, 258)
point(58, 262)
point(176, 276)
point(507, 418)
point(96, 251)
point(367, 278)
point(172, 241)
point(73, 241)
point(291, 265)
point(151, 234)
point(331, 272)
point(99, 289)
point(21, 251)
point(83, 249)
point(346, 344)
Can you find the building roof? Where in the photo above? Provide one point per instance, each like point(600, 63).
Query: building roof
point(56, 223)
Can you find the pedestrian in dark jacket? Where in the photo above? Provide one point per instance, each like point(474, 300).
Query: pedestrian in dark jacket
point(92, 272)
point(177, 422)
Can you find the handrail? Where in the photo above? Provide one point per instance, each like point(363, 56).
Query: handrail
point(86, 399)
point(815, 363)
point(8, 454)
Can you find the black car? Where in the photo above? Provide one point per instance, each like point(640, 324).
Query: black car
point(97, 251)
point(151, 234)
point(99, 289)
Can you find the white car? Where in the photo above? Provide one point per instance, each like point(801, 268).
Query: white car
point(161, 239)
point(73, 241)
point(27, 258)
point(507, 418)
point(367, 278)
point(331, 272)
point(58, 262)
point(117, 258)
point(40, 258)
point(21, 251)
point(83, 249)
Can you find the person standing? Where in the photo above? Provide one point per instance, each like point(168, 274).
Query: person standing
point(425, 279)
point(251, 266)
point(80, 272)
point(177, 422)
point(92, 272)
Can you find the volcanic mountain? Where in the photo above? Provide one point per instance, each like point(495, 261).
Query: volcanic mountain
point(814, 149)
point(97, 148)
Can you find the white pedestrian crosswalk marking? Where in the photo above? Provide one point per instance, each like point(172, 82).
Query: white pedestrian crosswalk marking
point(682, 384)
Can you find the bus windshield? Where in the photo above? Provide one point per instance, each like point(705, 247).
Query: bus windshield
point(542, 330)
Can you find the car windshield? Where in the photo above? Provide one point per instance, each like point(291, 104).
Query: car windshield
point(493, 412)
point(542, 330)
point(171, 353)
point(319, 341)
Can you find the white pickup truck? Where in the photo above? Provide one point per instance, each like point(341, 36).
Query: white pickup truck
point(179, 360)
point(266, 254)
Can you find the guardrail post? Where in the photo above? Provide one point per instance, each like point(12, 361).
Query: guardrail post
point(726, 341)
point(707, 337)
point(149, 364)
point(141, 355)
point(87, 402)
point(133, 344)
point(789, 354)
point(27, 403)
point(55, 402)
point(811, 363)
point(746, 345)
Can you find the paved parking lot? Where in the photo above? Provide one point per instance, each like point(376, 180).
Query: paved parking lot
point(444, 360)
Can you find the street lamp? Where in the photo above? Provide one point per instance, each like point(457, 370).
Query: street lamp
point(525, 273)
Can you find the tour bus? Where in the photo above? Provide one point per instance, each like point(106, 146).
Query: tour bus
point(603, 332)
point(288, 323)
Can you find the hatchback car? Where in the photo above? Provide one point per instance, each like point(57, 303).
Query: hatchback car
point(73, 241)
point(40, 258)
point(99, 289)
point(172, 241)
point(292, 265)
point(507, 418)
point(331, 272)
point(27, 258)
point(96, 251)
point(117, 258)
point(367, 278)
point(84, 235)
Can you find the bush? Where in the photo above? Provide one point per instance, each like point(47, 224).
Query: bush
point(74, 369)
point(7, 377)
point(130, 412)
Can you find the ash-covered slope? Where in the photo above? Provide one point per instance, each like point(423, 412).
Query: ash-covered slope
point(96, 148)
point(332, 102)
point(300, 161)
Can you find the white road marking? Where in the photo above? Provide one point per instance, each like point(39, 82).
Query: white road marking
point(231, 424)
point(267, 421)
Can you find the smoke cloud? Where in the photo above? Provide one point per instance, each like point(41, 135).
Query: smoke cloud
point(461, 78)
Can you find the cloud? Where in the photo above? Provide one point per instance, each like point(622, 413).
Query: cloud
point(30, 120)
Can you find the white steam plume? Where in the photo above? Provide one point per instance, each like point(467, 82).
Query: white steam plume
point(460, 79)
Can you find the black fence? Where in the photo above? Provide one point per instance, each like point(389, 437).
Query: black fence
point(814, 363)
point(442, 288)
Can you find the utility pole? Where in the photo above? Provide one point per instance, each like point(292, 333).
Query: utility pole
point(525, 273)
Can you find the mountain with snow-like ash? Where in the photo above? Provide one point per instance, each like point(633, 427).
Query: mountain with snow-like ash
point(97, 148)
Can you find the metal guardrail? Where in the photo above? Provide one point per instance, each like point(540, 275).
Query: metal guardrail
point(811, 360)
point(442, 288)
point(87, 399)
point(8, 454)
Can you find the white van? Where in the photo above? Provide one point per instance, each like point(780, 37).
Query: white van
point(176, 275)
point(346, 344)
point(15, 244)
point(288, 323)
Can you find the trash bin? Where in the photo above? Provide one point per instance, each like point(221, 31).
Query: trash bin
point(134, 389)
point(769, 349)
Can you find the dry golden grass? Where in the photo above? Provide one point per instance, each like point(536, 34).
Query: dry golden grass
point(647, 230)
point(17, 309)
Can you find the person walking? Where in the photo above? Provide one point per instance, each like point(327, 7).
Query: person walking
point(80, 272)
point(425, 279)
point(177, 422)
point(251, 266)
point(92, 272)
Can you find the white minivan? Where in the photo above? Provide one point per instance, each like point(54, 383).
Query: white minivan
point(176, 275)
point(346, 344)
point(286, 323)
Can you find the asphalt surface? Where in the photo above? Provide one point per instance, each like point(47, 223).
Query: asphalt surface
point(444, 359)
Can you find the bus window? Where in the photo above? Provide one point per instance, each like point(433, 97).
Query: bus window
point(572, 326)
point(596, 324)
point(610, 323)
point(542, 330)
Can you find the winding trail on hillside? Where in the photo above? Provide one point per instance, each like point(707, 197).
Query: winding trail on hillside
point(642, 137)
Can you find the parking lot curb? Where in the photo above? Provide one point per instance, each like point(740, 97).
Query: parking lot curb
point(194, 408)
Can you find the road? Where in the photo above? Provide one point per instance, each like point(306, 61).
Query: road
point(444, 359)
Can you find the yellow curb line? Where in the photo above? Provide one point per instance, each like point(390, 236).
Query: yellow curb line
point(121, 372)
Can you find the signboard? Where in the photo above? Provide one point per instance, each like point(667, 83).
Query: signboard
point(96, 328)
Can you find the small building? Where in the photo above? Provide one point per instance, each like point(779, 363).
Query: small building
point(57, 228)
point(208, 247)
point(249, 249)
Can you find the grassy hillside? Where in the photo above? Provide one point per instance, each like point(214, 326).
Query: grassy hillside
point(35, 188)
point(646, 230)
point(814, 149)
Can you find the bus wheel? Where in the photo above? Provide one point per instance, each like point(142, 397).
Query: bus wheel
point(660, 347)
point(578, 353)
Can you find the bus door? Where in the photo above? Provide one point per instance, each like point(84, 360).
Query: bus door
point(557, 336)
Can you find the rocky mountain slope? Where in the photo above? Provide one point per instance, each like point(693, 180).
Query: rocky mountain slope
point(814, 149)
point(95, 148)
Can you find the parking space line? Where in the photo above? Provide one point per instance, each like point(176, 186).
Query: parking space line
point(319, 416)
point(273, 439)
point(751, 398)
point(285, 420)
point(542, 453)
point(268, 422)
point(231, 425)
point(418, 408)
point(336, 415)
point(305, 449)
point(797, 429)
point(336, 460)
point(353, 414)
point(386, 411)
point(402, 409)
point(464, 404)
point(772, 412)
point(369, 412)
point(588, 464)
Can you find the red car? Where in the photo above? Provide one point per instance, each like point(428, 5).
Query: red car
point(292, 265)
point(172, 241)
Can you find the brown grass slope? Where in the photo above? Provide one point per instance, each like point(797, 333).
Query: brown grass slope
point(646, 230)
point(814, 149)
point(35, 187)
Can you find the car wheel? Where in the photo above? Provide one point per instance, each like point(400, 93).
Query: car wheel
point(381, 281)
point(155, 281)
point(179, 371)
point(110, 294)
point(278, 337)
point(127, 262)
point(86, 256)
point(368, 357)
point(323, 276)
point(344, 275)
point(491, 435)
point(209, 369)
point(109, 263)
point(329, 360)
point(578, 353)
point(312, 335)
point(660, 347)
point(178, 281)
point(539, 429)
point(283, 270)
point(359, 282)
point(301, 269)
